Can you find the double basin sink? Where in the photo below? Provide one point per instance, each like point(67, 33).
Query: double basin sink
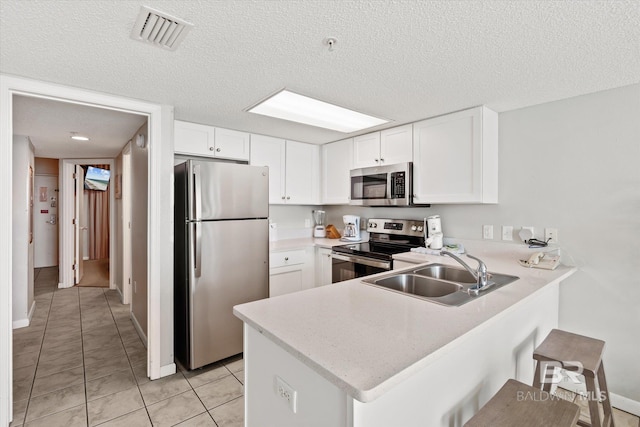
point(439, 283)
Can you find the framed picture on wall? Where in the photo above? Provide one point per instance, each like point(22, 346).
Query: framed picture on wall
point(118, 183)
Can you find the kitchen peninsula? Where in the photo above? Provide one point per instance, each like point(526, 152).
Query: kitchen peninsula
point(351, 355)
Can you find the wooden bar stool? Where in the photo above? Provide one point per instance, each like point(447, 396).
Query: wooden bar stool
point(571, 352)
point(518, 404)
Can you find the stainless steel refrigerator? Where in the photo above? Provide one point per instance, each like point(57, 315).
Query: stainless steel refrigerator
point(221, 255)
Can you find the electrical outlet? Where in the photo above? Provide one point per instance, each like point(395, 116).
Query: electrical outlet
point(286, 392)
point(551, 233)
point(487, 231)
point(507, 232)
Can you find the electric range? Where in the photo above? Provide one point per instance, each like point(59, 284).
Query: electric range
point(386, 238)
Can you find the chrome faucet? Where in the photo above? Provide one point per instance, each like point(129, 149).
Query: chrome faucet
point(480, 274)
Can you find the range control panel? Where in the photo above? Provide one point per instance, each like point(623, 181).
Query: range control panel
point(407, 227)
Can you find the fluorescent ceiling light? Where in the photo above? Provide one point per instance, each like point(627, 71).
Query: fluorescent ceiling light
point(79, 138)
point(302, 109)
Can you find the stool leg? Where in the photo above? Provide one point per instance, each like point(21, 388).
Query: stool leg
point(594, 411)
point(547, 379)
point(606, 404)
point(536, 376)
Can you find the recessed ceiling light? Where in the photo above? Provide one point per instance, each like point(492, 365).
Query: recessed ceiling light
point(74, 135)
point(291, 106)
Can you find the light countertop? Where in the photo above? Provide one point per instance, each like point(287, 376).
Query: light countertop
point(365, 340)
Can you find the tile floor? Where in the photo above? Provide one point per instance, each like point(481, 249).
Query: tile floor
point(81, 363)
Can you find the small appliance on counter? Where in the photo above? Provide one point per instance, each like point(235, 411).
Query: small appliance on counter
point(351, 228)
point(434, 235)
point(319, 230)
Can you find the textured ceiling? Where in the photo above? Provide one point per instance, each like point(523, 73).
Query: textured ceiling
point(402, 60)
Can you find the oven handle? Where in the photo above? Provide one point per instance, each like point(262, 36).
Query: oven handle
point(364, 261)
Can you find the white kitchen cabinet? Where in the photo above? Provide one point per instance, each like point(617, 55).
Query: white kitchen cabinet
point(208, 141)
point(337, 162)
point(270, 152)
point(386, 147)
point(294, 169)
point(323, 266)
point(290, 271)
point(456, 158)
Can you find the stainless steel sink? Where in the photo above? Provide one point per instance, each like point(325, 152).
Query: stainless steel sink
point(443, 272)
point(439, 283)
point(418, 285)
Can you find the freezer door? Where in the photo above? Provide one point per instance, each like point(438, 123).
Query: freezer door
point(228, 190)
point(234, 269)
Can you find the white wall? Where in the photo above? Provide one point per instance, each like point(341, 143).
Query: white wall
point(139, 218)
point(573, 165)
point(23, 159)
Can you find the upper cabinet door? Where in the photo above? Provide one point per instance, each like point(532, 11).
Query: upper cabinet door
point(270, 152)
point(192, 138)
point(456, 158)
point(206, 141)
point(303, 174)
point(231, 144)
point(366, 150)
point(396, 145)
point(337, 162)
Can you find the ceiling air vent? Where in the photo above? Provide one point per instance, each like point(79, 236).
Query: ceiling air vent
point(159, 29)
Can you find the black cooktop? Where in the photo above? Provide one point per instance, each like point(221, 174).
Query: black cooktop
point(373, 249)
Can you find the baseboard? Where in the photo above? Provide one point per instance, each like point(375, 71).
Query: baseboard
point(620, 402)
point(136, 325)
point(167, 370)
point(121, 296)
point(33, 310)
point(21, 323)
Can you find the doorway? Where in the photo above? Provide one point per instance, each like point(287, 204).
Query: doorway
point(159, 244)
point(93, 242)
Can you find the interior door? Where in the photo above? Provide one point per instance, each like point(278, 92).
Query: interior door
point(45, 230)
point(77, 229)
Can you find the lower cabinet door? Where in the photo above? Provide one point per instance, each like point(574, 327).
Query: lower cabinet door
point(285, 280)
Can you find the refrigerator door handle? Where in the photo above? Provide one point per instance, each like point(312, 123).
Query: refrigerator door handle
point(197, 192)
point(197, 263)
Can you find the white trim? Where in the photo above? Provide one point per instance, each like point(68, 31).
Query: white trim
point(139, 330)
point(23, 323)
point(86, 258)
point(160, 243)
point(169, 369)
point(126, 255)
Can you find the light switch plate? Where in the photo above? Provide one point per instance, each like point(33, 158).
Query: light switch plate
point(487, 231)
point(507, 232)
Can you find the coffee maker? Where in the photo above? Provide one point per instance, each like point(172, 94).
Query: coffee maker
point(351, 228)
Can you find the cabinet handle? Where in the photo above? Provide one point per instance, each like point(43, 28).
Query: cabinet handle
point(210, 148)
point(377, 160)
point(283, 197)
point(288, 197)
point(381, 159)
point(218, 149)
point(286, 258)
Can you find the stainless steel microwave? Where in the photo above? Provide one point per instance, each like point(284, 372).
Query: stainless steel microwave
point(389, 185)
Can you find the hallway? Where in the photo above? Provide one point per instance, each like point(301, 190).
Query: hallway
point(81, 362)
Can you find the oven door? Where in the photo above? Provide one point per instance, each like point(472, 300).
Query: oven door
point(346, 267)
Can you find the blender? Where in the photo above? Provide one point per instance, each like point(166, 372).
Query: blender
point(319, 229)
